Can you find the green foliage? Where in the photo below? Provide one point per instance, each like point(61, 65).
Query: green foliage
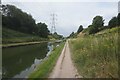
point(80, 29)
point(92, 29)
point(16, 19)
point(99, 58)
point(86, 31)
point(57, 36)
point(97, 23)
point(47, 65)
point(72, 35)
point(118, 18)
point(42, 30)
point(113, 22)
point(12, 36)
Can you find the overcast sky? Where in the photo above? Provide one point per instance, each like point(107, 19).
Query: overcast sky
point(69, 14)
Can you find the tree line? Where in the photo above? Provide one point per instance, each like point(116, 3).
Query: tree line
point(16, 19)
point(98, 25)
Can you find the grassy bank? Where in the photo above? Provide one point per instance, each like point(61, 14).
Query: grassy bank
point(20, 44)
point(97, 55)
point(11, 36)
point(46, 66)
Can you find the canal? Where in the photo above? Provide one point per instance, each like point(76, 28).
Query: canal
point(19, 62)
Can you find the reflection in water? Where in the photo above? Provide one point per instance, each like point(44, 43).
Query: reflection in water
point(19, 61)
point(50, 48)
point(26, 72)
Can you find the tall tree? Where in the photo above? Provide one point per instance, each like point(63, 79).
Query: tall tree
point(97, 24)
point(80, 29)
point(118, 19)
point(113, 22)
point(16, 19)
point(42, 30)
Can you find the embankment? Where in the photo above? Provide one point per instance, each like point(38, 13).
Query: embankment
point(96, 56)
point(12, 38)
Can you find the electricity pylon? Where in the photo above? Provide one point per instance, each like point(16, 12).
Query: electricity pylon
point(53, 22)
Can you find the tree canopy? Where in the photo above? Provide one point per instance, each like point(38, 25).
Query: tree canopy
point(42, 30)
point(80, 29)
point(57, 36)
point(118, 19)
point(97, 24)
point(113, 22)
point(16, 19)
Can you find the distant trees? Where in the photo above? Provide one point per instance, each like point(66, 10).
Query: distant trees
point(80, 29)
point(42, 30)
point(57, 36)
point(72, 35)
point(97, 24)
point(113, 22)
point(16, 19)
point(118, 19)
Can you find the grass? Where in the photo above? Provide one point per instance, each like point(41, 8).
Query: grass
point(12, 36)
point(96, 56)
point(46, 66)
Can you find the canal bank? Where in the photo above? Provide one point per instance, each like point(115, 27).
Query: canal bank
point(28, 43)
point(20, 44)
point(44, 69)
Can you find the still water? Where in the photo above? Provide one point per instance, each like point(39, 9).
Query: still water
point(19, 62)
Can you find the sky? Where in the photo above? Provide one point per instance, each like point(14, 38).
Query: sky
point(69, 15)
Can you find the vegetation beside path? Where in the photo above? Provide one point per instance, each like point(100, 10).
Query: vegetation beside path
point(43, 70)
point(97, 55)
point(10, 36)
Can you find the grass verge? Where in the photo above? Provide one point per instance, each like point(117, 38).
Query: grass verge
point(46, 66)
point(96, 56)
point(11, 36)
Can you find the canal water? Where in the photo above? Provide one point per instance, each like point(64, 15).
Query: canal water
point(19, 62)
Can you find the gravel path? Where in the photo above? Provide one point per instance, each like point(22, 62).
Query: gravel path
point(64, 67)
